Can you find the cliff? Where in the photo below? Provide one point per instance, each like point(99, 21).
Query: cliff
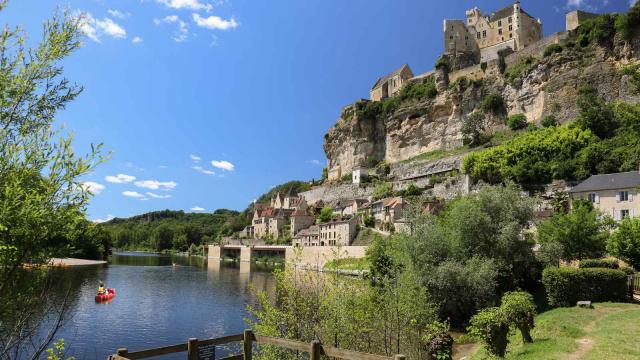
point(400, 128)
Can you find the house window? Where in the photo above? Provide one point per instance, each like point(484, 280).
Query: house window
point(510, 27)
point(592, 197)
point(624, 195)
point(499, 31)
point(510, 19)
point(624, 214)
point(510, 35)
point(499, 22)
point(450, 37)
point(484, 33)
point(478, 35)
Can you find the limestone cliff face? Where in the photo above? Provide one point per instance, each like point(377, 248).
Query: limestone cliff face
point(417, 126)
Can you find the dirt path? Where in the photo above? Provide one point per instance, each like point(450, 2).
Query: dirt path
point(464, 351)
point(584, 345)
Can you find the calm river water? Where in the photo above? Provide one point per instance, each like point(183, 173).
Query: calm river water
point(158, 304)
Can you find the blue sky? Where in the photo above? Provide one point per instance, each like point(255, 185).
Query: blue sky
point(206, 104)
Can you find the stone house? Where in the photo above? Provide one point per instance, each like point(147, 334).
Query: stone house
point(613, 194)
point(337, 232)
point(577, 17)
point(490, 34)
point(390, 84)
point(349, 208)
point(300, 220)
point(307, 237)
point(358, 173)
point(387, 211)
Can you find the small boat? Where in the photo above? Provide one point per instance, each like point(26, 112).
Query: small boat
point(110, 294)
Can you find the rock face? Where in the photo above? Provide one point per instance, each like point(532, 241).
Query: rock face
point(550, 86)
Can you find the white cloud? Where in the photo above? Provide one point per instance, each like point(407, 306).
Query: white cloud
point(575, 3)
point(119, 14)
point(96, 28)
point(197, 168)
point(215, 22)
point(197, 208)
point(157, 196)
point(133, 194)
point(187, 4)
point(314, 162)
point(92, 187)
point(208, 172)
point(109, 217)
point(223, 164)
point(182, 33)
point(200, 169)
point(195, 158)
point(137, 40)
point(120, 178)
point(155, 184)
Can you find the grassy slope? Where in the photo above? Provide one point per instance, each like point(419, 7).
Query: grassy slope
point(610, 331)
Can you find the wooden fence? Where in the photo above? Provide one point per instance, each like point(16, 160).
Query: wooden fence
point(634, 284)
point(201, 349)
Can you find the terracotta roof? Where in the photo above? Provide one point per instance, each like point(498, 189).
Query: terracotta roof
point(300, 212)
point(395, 72)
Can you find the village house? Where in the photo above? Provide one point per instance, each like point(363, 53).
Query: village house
point(387, 211)
point(307, 237)
point(348, 208)
point(338, 232)
point(271, 220)
point(390, 85)
point(300, 220)
point(487, 35)
point(613, 194)
point(359, 174)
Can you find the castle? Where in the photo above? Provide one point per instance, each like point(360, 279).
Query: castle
point(486, 36)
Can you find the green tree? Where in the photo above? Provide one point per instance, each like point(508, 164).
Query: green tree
point(326, 213)
point(624, 243)
point(549, 121)
point(473, 128)
point(520, 310)
point(517, 122)
point(581, 233)
point(42, 200)
point(595, 114)
point(180, 242)
point(382, 190)
point(163, 237)
point(491, 326)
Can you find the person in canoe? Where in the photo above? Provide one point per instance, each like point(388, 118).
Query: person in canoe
point(101, 289)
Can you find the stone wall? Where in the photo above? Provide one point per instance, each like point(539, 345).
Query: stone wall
point(416, 169)
point(333, 192)
point(315, 257)
point(537, 48)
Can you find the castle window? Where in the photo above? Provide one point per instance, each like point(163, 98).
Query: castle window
point(499, 31)
point(499, 22)
point(484, 33)
point(451, 37)
point(510, 20)
point(510, 27)
point(478, 34)
point(510, 35)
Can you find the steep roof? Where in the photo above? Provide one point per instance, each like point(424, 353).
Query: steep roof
point(506, 11)
point(621, 180)
point(311, 230)
point(383, 79)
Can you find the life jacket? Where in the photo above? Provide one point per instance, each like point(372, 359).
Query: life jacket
point(101, 290)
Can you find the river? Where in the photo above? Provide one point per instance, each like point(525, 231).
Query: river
point(158, 304)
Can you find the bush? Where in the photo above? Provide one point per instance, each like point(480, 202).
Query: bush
point(492, 328)
point(600, 29)
point(419, 90)
point(473, 128)
point(438, 343)
point(517, 121)
point(492, 102)
point(521, 67)
point(628, 270)
point(520, 310)
point(483, 66)
point(625, 24)
point(634, 76)
point(552, 49)
point(412, 190)
point(566, 286)
point(549, 121)
point(599, 263)
point(382, 191)
point(443, 62)
point(624, 243)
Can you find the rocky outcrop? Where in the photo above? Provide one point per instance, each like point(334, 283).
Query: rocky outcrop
point(549, 86)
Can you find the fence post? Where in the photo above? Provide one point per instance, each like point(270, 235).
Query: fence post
point(248, 344)
point(192, 349)
point(399, 357)
point(315, 350)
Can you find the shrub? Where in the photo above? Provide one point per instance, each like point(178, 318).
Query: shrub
point(517, 121)
point(483, 66)
point(600, 29)
point(599, 263)
point(443, 63)
point(419, 90)
point(549, 121)
point(368, 109)
point(473, 128)
point(520, 310)
point(566, 286)
point(438, 343)
point(492, 328)
point(552, 49)
point(521, 67)
point(492, 102)
point(326, 213)
point(412, 190)
point(625, 24)
point(624, 243)
point(382, 190)
point(628, 270)
point(634, 76)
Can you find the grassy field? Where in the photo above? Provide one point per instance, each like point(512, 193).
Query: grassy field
point(348, 264)
point(609, 331)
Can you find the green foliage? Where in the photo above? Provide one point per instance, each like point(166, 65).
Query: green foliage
point(517, 122)
point(57, 352)
point(595, 114)
point(627, 24)
point(624, 243)
point(522, 67)
point(419, 90)
point(492, 328)
point(599, 263)
point(520, 310)
point(483, 66)
point(633, 71)
point(600, 30)
point(382, 190)
point(565, 286)
point(549, 121)
point(325, 214)
point(412, 190)
point(581, 234)
point(473, 127)
point(438, 343)
point(548, 152)
point(347, 178)
point(443, 62)
point(492, 103)
point(369, 221)
point(552, 49)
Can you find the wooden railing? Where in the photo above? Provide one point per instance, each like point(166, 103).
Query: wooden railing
point(201, 349)
point(634, 284)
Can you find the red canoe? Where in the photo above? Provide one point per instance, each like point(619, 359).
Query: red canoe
point(111, 293)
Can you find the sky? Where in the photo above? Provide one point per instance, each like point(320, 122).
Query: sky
point(207, 104)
